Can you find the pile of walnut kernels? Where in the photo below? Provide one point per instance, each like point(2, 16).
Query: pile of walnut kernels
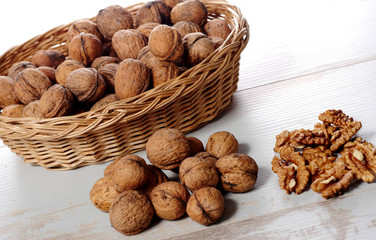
point(329, 158)
point(133, 191)
point(117, 56)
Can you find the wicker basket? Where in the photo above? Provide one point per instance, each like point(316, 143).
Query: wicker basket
point(187, 102)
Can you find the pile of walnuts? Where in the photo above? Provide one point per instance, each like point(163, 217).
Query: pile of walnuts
point(117, 56)
point(328, 158)
point(133, 191)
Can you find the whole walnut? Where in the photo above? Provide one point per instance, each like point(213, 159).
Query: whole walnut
point(104, 60)
point(109, 170)
point(164, 71)
point(197, 47)
point(48, 58)
point(13, 111)
point(196, 173)
point(155, 177)
point(167, 148)
point(195, 145)
point(130, 172)
point(165, 43)
point(206, 205)
point(169, 200)
point(56, 101)
point(65, 68)
point(217, 41)
point(221, 144)
point(127, 43)
point(217, 28)
point(7, 94)
point(108, 73)
point(206, 156)
point(171, 3)
point(86, 84)
point(190, 11)
point(107, 99)
point(131, 212)
point(132, 78)
point(153, 11)
point(146, 28)
point(187, 27)
point(85, 47)
point(30, 84)
point(238, 172)
point(147, 57)
point(32, 110)
point(85, 26)
point(103, 193)
point(19, 67)
point(112, 19)
point(49, 72)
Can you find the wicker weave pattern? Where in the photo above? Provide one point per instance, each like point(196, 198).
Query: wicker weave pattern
point(187, 103)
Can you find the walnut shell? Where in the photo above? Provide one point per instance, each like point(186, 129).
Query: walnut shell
point(30, 84)
point(171, 3)
point(146, 28)
point(155, 177)
point(190, 11)
point(164, 71)
point(206, 156)
point(110, 98)
point(206, 205)
point(49, 72)
point(65, 68)
point(104, 60)
point(7, 94)
point(85, 47)
point(112, 19)
point(167, 148)
point(217, 28)
point(217, 41)
point(108, 73)
point(103, 193)
point(147, 57)
point(85, 26)
point(197, 47)
point(86, 84)
point(185, 28)
point(196, 173)
point(19, 67)
point(109, 170)
point(130, 172)
point(221, 144)
point(195, 145)
point(132, 78)
point(56, 101)
point(49, 58)
point(165, 43)
point(238, 172)
point(13, 111)
point(153, 11)
point(32, 110)
point(169, 200)
point(131, 212)
point(127, 43)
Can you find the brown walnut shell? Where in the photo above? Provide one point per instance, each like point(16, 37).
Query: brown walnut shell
point(147, 57)
point(153, 11)
point(56, 101)
point(217, 28)
point(146, 28)
point(85, 26)
point(32, 110)
point(85, 47)
point(108, 73)
point(104, 60)
point(13, 111)
point(7, 94)
point(127, 43)
point(197, 47)
point(103, 193)
point(19, 67)
point(164, 71)
point(155, 177)
point(195, 145)
point(221, 144)
point(110, 98)
point(49, 72)
point(65, 68)
point(48, 58)
point(171, 3)
point(190, 11)
point(166, 43)
point(112, 19)
point(185, 28)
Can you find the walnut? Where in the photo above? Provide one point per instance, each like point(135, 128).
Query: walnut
point(108, 73)
point(85, 47)
point(185, 28)
point(155, 177)
point(109, 98)
point(146, 28)
point(196, 173)
point(56, 101)
point(112, 19)
point(153, 11)
point(303, 138)
point(167, 148)
point(197, 47)
point(164, 71)
point(169, 200)
point(166, 43)
point(127, 43)
point(319, 159)
point(221, 144)
point(103, 193)
point(19, 67)
point(132, 78)
point(109, 170)
point(206, 205)
point(206, 156)
point(49, 58)
point(49, 72)
point(238, 172)
point(65, 68)
point(333, 181)
point(171, 3)
point(195, 145)
point(147, 57)
point(85, 26)
point(108, 50)
point(190, 11)
point(86, 84)
point(217, 28)
point(217, 41)
point(131, 212)
point(32, 110)
point(103, 61)
point(7, 94)
point(130, 172)
point(13, 111)
point(30, 84)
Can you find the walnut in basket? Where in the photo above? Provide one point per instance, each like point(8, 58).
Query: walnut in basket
point(185, 27)
point(164, 71)
point(32, 110)
point(50, 58)
point(49, 72)
point(190, 11)
point(127, 43)
point(19, 67)
point(217, 28)
point(108, 73)
point(197, 47)
point(153, 11)
point(147, 57)
point(7, 94)
point(171, 3)
point(221, 144)
point(107, 99)
point(112, 19)
point(103, 61)
point(13, 111)
point(146, 28)
point(65, 68)
point(85, 26)
point(85, 47)
point(56, 101)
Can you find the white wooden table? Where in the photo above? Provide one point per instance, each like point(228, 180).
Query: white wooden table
point(303, 58)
